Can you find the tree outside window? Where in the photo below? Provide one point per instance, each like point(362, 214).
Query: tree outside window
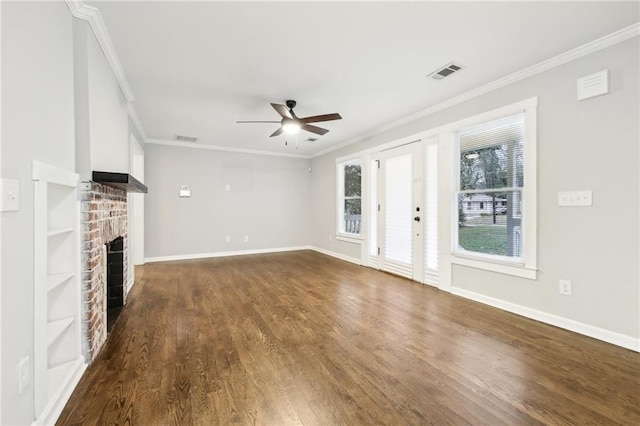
point(350, 203)
point(491, 178)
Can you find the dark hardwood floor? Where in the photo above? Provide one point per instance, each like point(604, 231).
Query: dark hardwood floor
point(302, 338)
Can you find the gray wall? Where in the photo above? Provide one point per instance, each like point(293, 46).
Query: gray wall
point(37, 124)
point(269, 201)
point(102, 122)
point(581, 145)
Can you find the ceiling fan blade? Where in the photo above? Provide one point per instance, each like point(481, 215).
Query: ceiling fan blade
point(324, 117)
point(314, 129)
point(257, 121)
point(277, 132)
point(282, 110)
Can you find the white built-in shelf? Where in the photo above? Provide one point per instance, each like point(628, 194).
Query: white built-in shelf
point(54, 280)
point(59, 374)
point(57, 347)
point(59, 231)
point(57, 327)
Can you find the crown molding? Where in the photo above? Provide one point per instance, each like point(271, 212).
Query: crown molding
point(601, 43)
point(133, 116)
point(223, 148)
point(94, 18)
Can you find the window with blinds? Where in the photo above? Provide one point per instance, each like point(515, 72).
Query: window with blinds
point(349, 197)
point(490, 188)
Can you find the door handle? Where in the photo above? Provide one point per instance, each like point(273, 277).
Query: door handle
point(417, 218)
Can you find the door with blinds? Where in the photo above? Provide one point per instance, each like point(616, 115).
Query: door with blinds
point(398, 211)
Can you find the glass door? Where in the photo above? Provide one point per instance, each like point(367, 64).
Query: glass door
point(400, 215)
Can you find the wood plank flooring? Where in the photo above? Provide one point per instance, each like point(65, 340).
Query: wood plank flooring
point(302, 338)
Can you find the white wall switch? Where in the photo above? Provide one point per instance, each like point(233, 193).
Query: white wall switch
point(246, 238)
point(227, 187)
point(564, 287)
point(24, 374)
point(185, 191)
point(228, 239)
point(10, 199)
point(575, 198)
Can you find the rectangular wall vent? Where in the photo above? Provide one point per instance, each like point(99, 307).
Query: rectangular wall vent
point(186, 138)
point(445, 71)
point(593, 85)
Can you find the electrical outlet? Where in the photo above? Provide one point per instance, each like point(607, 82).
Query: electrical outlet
point(227, 187)
point(24, 374)
point(564, 287)
point(246, 238)
point(330, 238)
point(228, 239)
point(9, 195)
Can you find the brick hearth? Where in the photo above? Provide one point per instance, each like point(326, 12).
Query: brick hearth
point(104, 218)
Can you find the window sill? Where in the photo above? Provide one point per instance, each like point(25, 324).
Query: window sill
point(355, 239)
point(509, 268)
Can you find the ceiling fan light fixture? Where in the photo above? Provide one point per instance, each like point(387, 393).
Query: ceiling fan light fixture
point(291, 126)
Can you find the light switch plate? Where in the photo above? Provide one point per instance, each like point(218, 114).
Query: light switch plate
point(575, 198)
point(10, 190)
point(185, 191)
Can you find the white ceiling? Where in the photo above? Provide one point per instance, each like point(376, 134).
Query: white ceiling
point(197, 67)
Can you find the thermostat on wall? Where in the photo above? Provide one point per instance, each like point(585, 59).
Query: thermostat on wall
point(185, 191)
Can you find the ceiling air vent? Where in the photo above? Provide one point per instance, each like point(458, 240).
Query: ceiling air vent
point(445, 71)
point(312, 139)
point(186, 138)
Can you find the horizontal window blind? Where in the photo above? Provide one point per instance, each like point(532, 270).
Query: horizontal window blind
point(491, 183)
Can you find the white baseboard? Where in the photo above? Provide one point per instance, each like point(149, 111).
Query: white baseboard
point(612, 337)
point(223, 254)
point(54, 408)
point(336, 255)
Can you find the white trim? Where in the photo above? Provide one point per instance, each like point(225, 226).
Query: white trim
point(349, 238)
point(561, 59)
point(55, 406)
point(491, 265)
point(340, 163)
point(94, 18)
point(52, 174)
point(133, 115)
point(222, 148)
point(249, 252)
point(223, 254)
point(336, 255)
point(525, 266)
point(130, 283)
point(1, 175)
point(618, 339)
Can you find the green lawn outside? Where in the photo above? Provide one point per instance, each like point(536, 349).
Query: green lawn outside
point(484, 239)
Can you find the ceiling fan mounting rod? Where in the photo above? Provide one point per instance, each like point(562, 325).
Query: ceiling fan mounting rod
point(291, 104)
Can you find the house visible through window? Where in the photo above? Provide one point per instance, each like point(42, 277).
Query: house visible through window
point(349, 197)
point(491, 167)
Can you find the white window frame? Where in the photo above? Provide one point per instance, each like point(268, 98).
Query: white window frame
point(342, 235)
point(526, 265)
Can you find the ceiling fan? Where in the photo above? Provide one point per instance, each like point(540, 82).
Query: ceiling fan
point(291, 123)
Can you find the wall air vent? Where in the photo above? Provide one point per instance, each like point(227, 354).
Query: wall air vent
point(186, 138)
point(593, 85)
point(445, 71)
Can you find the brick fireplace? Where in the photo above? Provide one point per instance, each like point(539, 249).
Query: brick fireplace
point(104, 230)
